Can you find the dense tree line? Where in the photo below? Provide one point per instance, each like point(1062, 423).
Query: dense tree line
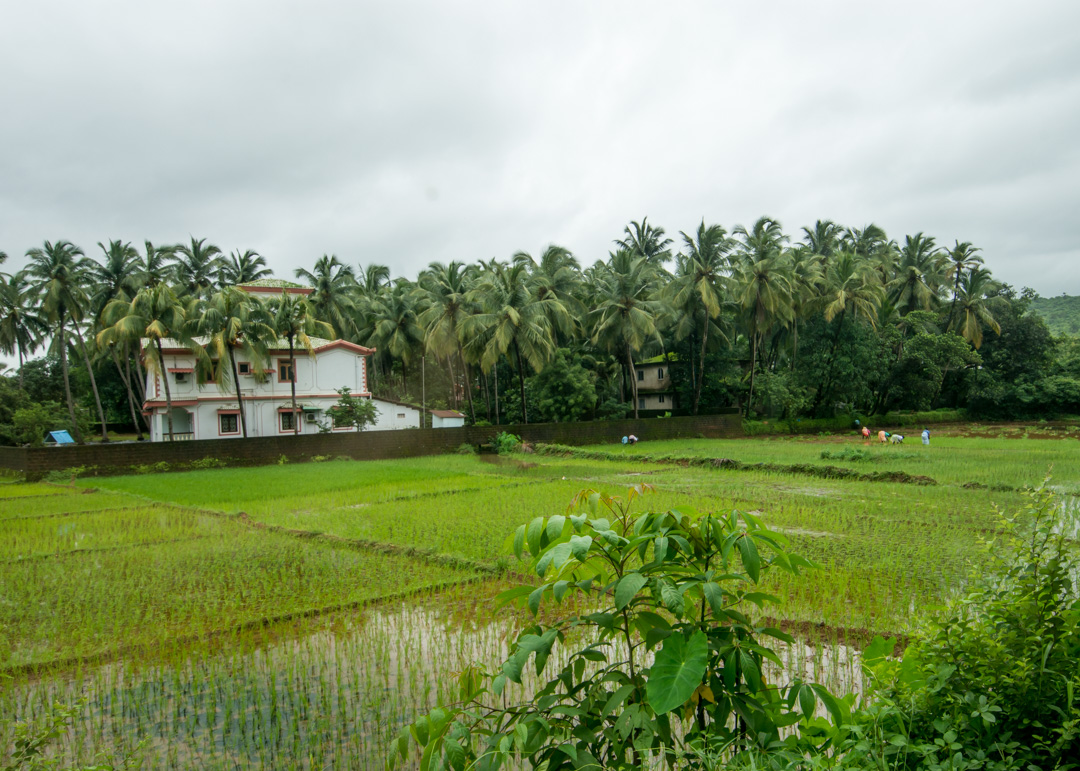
point(842, 319)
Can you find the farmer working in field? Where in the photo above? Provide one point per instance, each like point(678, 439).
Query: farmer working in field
point(883, 436)
point(866, 435)
point(896, 439)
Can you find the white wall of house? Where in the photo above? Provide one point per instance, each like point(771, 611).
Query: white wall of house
point(437, 421)
point(209, 412)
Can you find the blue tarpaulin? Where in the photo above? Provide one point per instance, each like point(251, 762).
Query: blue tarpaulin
point(59, 437)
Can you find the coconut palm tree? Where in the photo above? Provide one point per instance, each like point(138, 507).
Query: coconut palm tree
point(763, 285)
point(702, 277)
point(852, 290)
point(242, 267)
point(824, 239)
point(627, 311)
point(116, 277)
point(154, 267)
point(294, 320)
point(22, 328)
point(963, 257)
point(643, 240)
point(57, 273)
point(512, 317)
point(973, 313)
point(396, 330)
point(155, 313)
point(806, 272)
point(233, 320)
point(444, 293)
point(556, 274)
point(334, 294)
point(919, 275)
point(197, 265)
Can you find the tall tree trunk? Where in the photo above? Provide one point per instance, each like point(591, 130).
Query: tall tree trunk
point(67, 380)
point(795, 347)
point(19, 345)
point(487, 393)
point(521, 382)
point(955, 295)
point(165, 380)
point(127, 389)
point(141, 382)
point(701, 364)
point(453, 382)
point(138, 400)
point(239, 397)
point(753, 370)
point(292, 386)
point(633, 379)
point(497, 421)
point(468, 383)
point(93, 386)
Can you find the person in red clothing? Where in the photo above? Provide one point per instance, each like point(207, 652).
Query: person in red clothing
point(866, 435)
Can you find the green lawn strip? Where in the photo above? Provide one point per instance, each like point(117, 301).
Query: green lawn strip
point(78, 608)
point(95, 530)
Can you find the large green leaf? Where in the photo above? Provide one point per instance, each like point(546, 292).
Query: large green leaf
point(628, 586)
point(677, 671)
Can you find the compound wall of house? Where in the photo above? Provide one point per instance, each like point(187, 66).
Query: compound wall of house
point(368, 445)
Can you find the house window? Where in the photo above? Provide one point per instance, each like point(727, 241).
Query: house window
point(229, 423)
point(661, 398)
point(288, 421)
point(243, 367)
point(641, 403)
point(285, 371)
point(660, 374)
point(401, 415)
point(181, 377)
point(640, 374)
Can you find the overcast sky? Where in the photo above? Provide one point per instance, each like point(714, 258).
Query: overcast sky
point(407, 132)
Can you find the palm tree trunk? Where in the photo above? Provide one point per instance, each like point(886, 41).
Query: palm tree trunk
point(292, 386)
point(93, 386)
point(468, 383)
point(141, 382)
point(127, 389)
point(67, 380)
point(955, 295)
point(701, 364)
point(521, 382)
point(753, 369)
point(827, 383)
point(19, 346)
point(140, 388)
point(239, 398)
point(165, 380)
point(453, 383)
point(795, 346)
point(633, 379)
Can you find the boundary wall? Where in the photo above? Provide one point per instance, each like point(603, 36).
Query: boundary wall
point(99, 459)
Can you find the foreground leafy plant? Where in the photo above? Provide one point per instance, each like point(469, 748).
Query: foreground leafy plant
point(668, 666)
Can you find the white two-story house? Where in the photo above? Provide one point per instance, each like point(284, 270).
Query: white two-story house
point(207, 411)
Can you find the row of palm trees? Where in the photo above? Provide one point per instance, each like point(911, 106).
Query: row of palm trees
point(750, 289)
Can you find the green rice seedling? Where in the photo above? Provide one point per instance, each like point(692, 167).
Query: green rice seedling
point(68, 503)
point(24, 489)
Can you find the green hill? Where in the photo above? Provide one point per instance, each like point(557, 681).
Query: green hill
point(1062, 313)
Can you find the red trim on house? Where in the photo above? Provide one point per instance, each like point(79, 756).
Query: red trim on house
point(182, 369)
point(250, 371)
point(347, 346)
point(291, 365)
point(278, 397)
point(228, 412)
point(290, 409)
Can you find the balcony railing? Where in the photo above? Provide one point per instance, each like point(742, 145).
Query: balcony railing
point(180, 436)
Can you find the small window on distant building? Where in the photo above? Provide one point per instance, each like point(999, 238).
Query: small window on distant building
point(230, 424)
point(641, 403)
point(285, 372)
point(641, 374)
point(243, 367)
point(660, 374)
point(401, 414)
point(661, 398)
point(288, 421)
